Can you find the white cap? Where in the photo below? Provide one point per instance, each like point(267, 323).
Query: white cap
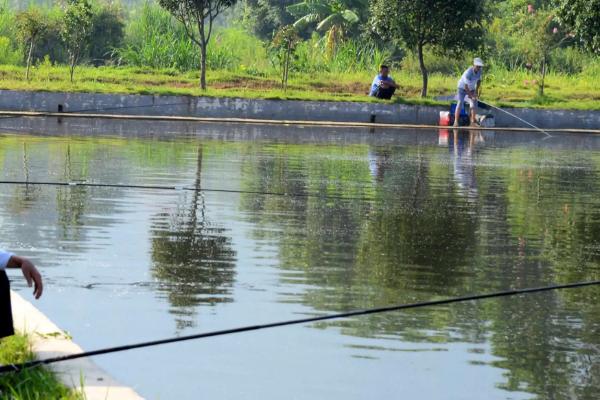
point(478, 62)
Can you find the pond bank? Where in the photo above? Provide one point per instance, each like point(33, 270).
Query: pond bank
point(50, 341)
point(211, 107)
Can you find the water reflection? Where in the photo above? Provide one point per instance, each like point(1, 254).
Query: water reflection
point(463, 147)
point(500, 228)
point(387, 222)
point(192, 257)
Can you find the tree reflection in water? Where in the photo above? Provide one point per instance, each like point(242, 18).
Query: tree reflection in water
point(443, 222)
point(192, 258)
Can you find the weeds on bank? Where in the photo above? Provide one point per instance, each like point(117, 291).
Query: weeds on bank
point(32, 384)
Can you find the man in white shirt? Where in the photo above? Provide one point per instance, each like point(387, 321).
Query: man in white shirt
point(31, 274)
point(468, 87)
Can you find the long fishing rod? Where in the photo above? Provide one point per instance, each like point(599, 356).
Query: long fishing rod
point(517, 117)
point(186, 188)
point(511, 292)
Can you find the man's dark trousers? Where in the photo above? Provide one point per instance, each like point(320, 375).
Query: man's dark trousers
point(6, 321)
point(386, 93)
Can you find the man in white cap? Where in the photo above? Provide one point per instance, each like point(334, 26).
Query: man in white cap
point(469, 86)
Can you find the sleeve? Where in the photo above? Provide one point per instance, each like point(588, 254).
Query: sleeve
point(4, 258)
point(470, 74)
point(374, 86)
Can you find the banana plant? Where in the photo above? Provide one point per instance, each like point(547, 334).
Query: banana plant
point(333, 18)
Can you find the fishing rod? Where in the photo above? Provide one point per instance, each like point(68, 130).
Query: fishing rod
point(517, 117)
point(506, 293)
point(185, 188)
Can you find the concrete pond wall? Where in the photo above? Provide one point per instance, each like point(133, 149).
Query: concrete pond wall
point(274, 109)
point(48, 341)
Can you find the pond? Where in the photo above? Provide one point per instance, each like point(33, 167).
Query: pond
point(284, 222)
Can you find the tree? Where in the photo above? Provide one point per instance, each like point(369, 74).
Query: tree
point(446, 26)
point(76, 30)
point(31, 24)
point(284, 43)
point(543, 34)
point(583, 18)
point(265, 17)
point(198, 18)
point(335, 18)
point(108, 32)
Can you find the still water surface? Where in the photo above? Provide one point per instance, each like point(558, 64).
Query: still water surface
point(367, 223)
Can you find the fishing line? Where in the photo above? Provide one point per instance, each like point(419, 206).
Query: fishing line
point(517, 117)
point(511, 292)
point(186, 188)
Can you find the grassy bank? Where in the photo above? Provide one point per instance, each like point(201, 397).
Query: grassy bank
point(32, 384)
point(515, 89)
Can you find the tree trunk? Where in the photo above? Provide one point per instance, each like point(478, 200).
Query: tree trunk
point(203, 66)
point(72, 69)
point(72, 62)
point(29, 59)
point(423, 70)
point(287, 66)
point(283, 73)
point(543, 75)
point(203, 44)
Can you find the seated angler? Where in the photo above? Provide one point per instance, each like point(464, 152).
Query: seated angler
point(383, 86)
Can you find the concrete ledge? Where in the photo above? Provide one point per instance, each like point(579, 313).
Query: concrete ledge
point(50, 341)
point(211, 107)
point(248, 121)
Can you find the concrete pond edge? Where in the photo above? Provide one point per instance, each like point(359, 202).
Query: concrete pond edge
point(215, 107)
point(48, 340)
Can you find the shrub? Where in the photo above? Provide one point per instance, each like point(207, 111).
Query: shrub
point(155, 39)
point(8, 54)
point(108, 32)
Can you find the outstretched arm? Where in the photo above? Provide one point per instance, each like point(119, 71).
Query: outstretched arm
point(389, 83)
point(30, 272)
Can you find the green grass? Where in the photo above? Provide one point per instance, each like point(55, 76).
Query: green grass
point(32, 384)
point(501, 87)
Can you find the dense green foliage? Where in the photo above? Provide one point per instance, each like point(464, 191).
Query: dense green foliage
point(504, 33)
point(264, 17)
point(108, 32)
point(583, 16)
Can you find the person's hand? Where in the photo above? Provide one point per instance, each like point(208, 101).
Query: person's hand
point(33, 277)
